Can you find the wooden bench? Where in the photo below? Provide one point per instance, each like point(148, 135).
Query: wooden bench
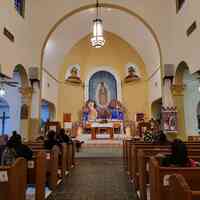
point(143, 161)
point(37, 174)
point(180, 189)
point(159, 178)
point(13, 181)
point(134, 147)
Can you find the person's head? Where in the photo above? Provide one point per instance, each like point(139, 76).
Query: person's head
point(179, 152)
point(162, 137)
point(15, 139)
point(14, 133)
point(62, 131)
point(51, 135)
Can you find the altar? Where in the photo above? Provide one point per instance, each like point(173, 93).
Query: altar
point(108, 128)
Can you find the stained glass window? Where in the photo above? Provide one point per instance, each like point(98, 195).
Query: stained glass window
point(20, 7)
point(179, 4)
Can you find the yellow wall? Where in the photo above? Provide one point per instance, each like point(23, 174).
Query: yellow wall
point(116, 53)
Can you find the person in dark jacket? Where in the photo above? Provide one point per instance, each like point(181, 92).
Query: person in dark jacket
point(62, 137)
point(21, 150)
point(179, 155)
point(51, 140)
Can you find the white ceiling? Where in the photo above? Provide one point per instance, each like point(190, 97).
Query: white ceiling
point(73, 29)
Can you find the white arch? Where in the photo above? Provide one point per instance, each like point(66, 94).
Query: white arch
point(107, 69)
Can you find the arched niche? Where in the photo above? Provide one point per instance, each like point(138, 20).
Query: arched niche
point(156, 107)
point(109, 70)
point(16, 99)
point(48, 111)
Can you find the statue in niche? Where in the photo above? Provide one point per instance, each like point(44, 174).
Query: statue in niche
point(103, 95)
point(74, 76)
point(92, 115)
point(132, 73)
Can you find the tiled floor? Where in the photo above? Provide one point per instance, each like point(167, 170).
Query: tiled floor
point(96, 179)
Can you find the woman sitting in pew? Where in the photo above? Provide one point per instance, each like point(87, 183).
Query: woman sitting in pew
point(51, 140)
point(14, 149)
point(179, 156)
point(62, 137)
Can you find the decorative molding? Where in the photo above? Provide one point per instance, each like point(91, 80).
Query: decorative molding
point(26, 91)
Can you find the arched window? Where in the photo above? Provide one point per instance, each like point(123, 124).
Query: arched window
point(179, 4)
point(20, 7)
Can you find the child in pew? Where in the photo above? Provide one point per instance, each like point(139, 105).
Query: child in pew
point(179, 156)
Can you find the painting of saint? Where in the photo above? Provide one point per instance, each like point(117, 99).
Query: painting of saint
point(103, 95)
point(73, 74)
point(132, 73)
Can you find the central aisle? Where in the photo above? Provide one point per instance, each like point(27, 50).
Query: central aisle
point(96, 179)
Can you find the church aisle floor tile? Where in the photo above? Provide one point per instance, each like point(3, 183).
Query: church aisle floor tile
point(96, 179)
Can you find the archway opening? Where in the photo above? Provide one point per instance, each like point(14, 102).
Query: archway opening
point(156, 107)
point(48, 112)
point(15, 98)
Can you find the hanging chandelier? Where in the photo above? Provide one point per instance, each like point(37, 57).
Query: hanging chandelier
point(97, 38)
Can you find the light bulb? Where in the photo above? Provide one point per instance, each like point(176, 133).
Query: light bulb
point(199, 88)
point(2, 92)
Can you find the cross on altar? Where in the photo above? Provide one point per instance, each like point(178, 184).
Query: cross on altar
point(3, 118)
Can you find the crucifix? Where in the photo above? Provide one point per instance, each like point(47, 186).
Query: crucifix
point(3, 122)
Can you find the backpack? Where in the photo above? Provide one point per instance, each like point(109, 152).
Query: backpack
point(9, 156)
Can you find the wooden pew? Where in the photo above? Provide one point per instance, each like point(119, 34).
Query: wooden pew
point(52, 158)
point(13, 181)
point(134, 147)
point(143, 161)
point(159, 178)
point(37, 174)
point(180, 189)
point(35, 146)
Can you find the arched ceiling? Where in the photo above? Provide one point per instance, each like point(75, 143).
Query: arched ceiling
point(74, 28)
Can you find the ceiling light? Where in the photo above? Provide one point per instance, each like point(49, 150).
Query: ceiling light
point(97, 39)
point(2, 92)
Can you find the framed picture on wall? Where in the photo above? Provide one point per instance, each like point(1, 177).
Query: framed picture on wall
point(169, 120)
point(55, 126)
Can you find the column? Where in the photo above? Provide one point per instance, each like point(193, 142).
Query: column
point(35, 110)
point(26, 95)
point(178, 96)
point(169, 112)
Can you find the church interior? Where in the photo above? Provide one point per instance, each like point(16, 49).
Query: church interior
point(99, 99)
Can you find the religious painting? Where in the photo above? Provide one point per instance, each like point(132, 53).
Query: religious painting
point(24, 112)
point(169, 120)
point(132, 73)
point(102, 88)
point(73, 74)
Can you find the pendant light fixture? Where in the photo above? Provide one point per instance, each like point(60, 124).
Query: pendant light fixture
point(97, 38)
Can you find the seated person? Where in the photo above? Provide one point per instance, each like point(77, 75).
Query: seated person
point(21, 150)
point(51, 140)
point(62, 137)
point(14, 149)
point(9, 154)
point(160, 138)
point(3, 141)
point(179, 156)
